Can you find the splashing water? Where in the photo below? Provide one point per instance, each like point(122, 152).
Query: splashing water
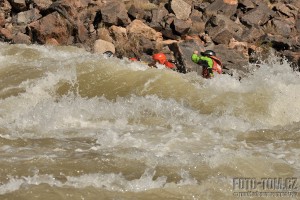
point(80, 125)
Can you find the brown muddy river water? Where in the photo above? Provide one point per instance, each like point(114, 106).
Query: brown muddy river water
point(75, 125)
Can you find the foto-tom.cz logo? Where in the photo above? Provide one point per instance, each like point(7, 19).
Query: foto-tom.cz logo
point(270, 184)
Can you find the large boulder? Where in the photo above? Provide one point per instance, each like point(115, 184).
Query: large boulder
point(115, 13)
point(287, 9)
point(26, 17)
point(252, 34)
point(120, 40)
point(82, 33)
point(158, 18)
point(281, 27)
point(221, 29)
point(42, 4)
point(224, 7)
point(144, 38)
point(234, 61)
point(258, 16)
point(181, 9)
point(21, 38)
point(198, 25)
point(101, 46)
point(52, 26)
point(182, 27)
point(183, 51)
point(6, 34)
point(136, 13)
point(104, 34)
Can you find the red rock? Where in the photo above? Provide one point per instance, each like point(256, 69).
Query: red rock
point(51, 26)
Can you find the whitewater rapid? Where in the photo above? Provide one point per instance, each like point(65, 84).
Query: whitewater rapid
point(79, 125)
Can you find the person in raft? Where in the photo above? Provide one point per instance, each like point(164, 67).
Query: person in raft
point(209, 62)
point(161, 58)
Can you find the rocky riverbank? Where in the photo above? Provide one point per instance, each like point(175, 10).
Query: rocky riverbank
point(240, 31)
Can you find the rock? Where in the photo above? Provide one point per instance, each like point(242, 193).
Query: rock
point(158, 18)
point(201, 6)
point(183, 51)
point(206, 38)
point(2, 19)
point(223, 37)
point(295, 3)
point(182, 27)
point(239, 46)
point(104, 34)
point(5, 8)
point(223, 7)
point(119, 34)
point(220, 26)
point(252, 34)
point(277, 42)
point(196, 16)
point(42, 4)
point(257, 16)
point(181, 9)
point(21, 38)
point(233, 60)
point(82, 33)
point(286, 9)
point(293, 57)
point(19, 5)
point(246, 5)
point(102, 46)
point(115, 13)
point(51, 26)
point(197, 27)
point(231, 2)
point(6, 34)
point(136, 13)
point(26, 17)
point(52, 42)
point(241, 26)
point(120, 40)
point(169, 30)
point(281, 28)
point(298, 24)
point(295, 41)
point(143, 37)
point(169, 33)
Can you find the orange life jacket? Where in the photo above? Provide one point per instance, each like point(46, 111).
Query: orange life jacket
point(217, 64)
point(133, 59)
point(169, 65)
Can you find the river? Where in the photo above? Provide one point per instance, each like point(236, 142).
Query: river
point(76, 125)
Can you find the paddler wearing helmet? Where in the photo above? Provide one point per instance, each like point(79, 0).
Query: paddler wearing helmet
point(209, 62)
point(161, 58)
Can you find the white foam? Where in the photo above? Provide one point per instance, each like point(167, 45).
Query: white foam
point(110, 182)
